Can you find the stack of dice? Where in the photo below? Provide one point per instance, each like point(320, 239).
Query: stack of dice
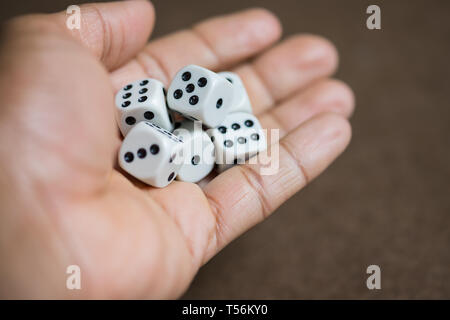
point(216, 126)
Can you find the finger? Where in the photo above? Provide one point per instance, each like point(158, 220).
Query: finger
point(241, 197)
point(114, 32)
point(324, 96)
point(287, 68)
point(214, 44)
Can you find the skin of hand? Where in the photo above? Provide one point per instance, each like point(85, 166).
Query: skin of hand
point(64, 201)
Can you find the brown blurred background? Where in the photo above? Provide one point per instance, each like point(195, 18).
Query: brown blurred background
point(386, 201)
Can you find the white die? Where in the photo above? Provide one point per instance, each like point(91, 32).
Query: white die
point(151, 154)
point(237, 139)
point(198, 151)
point(241, 102)
point(200, 94)
point(142, 100)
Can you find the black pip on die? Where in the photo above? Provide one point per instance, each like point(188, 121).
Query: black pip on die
point(241, 102)
point(198, 151)
point(200, 94)
point(237, 139)
point(151, 154)
point(219, 101)
point(142, 100)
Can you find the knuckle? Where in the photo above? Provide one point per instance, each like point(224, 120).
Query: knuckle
point(303, 173)
point(93, 17)
point(340, 94)
point(256, 184)
point(271, 21)
point(323, 50)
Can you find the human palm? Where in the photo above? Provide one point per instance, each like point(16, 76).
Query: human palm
point(65, 201)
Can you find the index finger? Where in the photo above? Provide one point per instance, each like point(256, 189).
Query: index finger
point(215, 44)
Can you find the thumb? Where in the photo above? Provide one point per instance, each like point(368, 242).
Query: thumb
point(114, 31)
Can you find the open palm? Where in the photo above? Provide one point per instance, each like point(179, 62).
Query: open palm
point(63, 200)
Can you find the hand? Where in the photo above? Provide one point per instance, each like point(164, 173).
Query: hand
point(64, 201)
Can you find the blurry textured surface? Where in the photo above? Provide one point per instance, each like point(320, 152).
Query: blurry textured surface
point(386, 201)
